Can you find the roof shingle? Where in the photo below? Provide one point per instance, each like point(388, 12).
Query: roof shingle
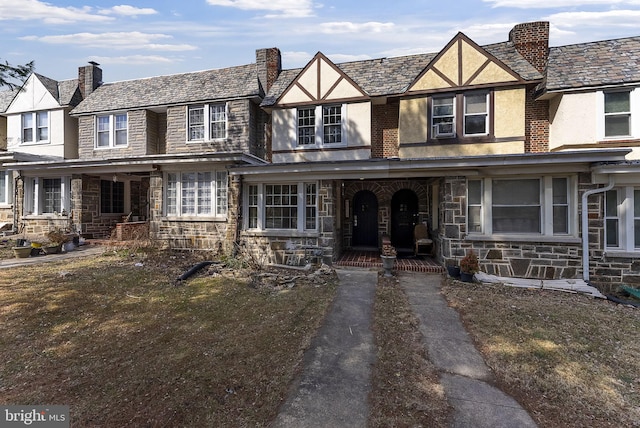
point(209, 85)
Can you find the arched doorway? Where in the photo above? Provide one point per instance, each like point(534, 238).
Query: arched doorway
point(404, 216)
point(365, 219)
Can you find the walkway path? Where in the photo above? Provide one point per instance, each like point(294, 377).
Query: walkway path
point(333, 388)
point(463, 373)
point(82, 251)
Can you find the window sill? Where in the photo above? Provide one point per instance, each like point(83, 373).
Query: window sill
point(46, 216)
point(525, 238)
point(280, 233)
point(194, 218)
point(622, 254)
point(35, 143)
point(111, 147)
point(216, 140)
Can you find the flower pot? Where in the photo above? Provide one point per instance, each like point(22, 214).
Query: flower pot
point(466, 277)
point(22, 252)
point(453, 271)
point(68, 246)
point(387, 264)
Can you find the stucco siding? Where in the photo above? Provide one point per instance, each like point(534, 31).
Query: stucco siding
point(476, 149)
point(413, 121)
point(509, 120)
point(572, 120)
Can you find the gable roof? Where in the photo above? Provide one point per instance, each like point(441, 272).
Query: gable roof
point(65, 92)
point(392, 76)
point(201, 86)
point(594, 64)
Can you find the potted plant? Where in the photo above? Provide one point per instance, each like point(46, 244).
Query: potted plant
point(57, 238)
point(22, 252)
point(388, 257)
point(469, 266)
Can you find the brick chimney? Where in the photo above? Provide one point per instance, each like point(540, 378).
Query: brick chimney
point(89, 78)
point(531, 40)
point(269, 63)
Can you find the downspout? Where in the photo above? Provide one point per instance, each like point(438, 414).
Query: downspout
point(585, 225)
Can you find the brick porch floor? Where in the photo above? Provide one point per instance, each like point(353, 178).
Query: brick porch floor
point(371, 259)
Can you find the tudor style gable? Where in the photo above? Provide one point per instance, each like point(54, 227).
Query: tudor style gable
point(321, 114)
point(465, 102)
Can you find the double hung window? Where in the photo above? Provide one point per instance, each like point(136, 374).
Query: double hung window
point(622, 219)
point(35, 127)
point(290, 206)
point(320, 126)
point(207, 122)
point(617, 114)
point(111, 131)
point(468, 112)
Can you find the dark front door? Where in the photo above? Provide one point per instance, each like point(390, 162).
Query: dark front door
point(365, 219)
point(404, 216)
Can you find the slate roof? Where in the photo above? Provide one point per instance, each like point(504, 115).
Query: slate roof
point(594, 64)
point(66, 92)
point(5, 99)
point(392, 76)
point(201, 86)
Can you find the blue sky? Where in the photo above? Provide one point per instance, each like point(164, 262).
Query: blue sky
point(135, 39)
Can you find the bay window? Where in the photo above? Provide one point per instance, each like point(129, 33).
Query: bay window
point(290, 206)
point(196, 193)
point(521, 206)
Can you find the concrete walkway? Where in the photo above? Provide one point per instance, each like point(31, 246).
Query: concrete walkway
point(463, 372)
point(333, 389)
point(82, 251)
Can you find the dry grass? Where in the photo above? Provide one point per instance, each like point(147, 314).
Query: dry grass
point(406, 388)
point(123, 346)
point(571, 360)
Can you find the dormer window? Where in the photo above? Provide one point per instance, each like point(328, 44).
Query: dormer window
point(207, 122)
point(320, 125)
point(35, 127)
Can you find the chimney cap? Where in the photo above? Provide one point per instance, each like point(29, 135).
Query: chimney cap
point(93, 63)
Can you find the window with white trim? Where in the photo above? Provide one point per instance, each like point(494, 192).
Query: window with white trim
point(35, 127)
point(443, 117)
point(321, 126)
point(521, 206)
point(207, 122)
point(196, 193)
point(617, 114)
point(6, 187)
point(47, 195)
point(111, 131)
point(622, 219)
point(476, 114)
point(282, 206)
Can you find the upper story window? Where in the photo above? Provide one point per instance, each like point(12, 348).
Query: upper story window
point(207, 122)
point(320, 125)
point(111, 131)
point(521, 206)
point(35, 127)
point(617, 114)
point(468, 112)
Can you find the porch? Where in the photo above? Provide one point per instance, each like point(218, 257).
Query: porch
point(371, 259)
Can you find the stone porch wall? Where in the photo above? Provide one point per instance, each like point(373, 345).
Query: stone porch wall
point(540, 260)
point(294, 249)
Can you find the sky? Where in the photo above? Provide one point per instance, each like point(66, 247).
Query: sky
point(137, 39)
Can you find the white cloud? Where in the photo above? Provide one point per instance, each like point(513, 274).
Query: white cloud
point(30, 10)
point(284, 8)
point(120, 40)
point(608, 19)
point(127, 10)
point(537, 4)
point(132, 59)
point(352, 27)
